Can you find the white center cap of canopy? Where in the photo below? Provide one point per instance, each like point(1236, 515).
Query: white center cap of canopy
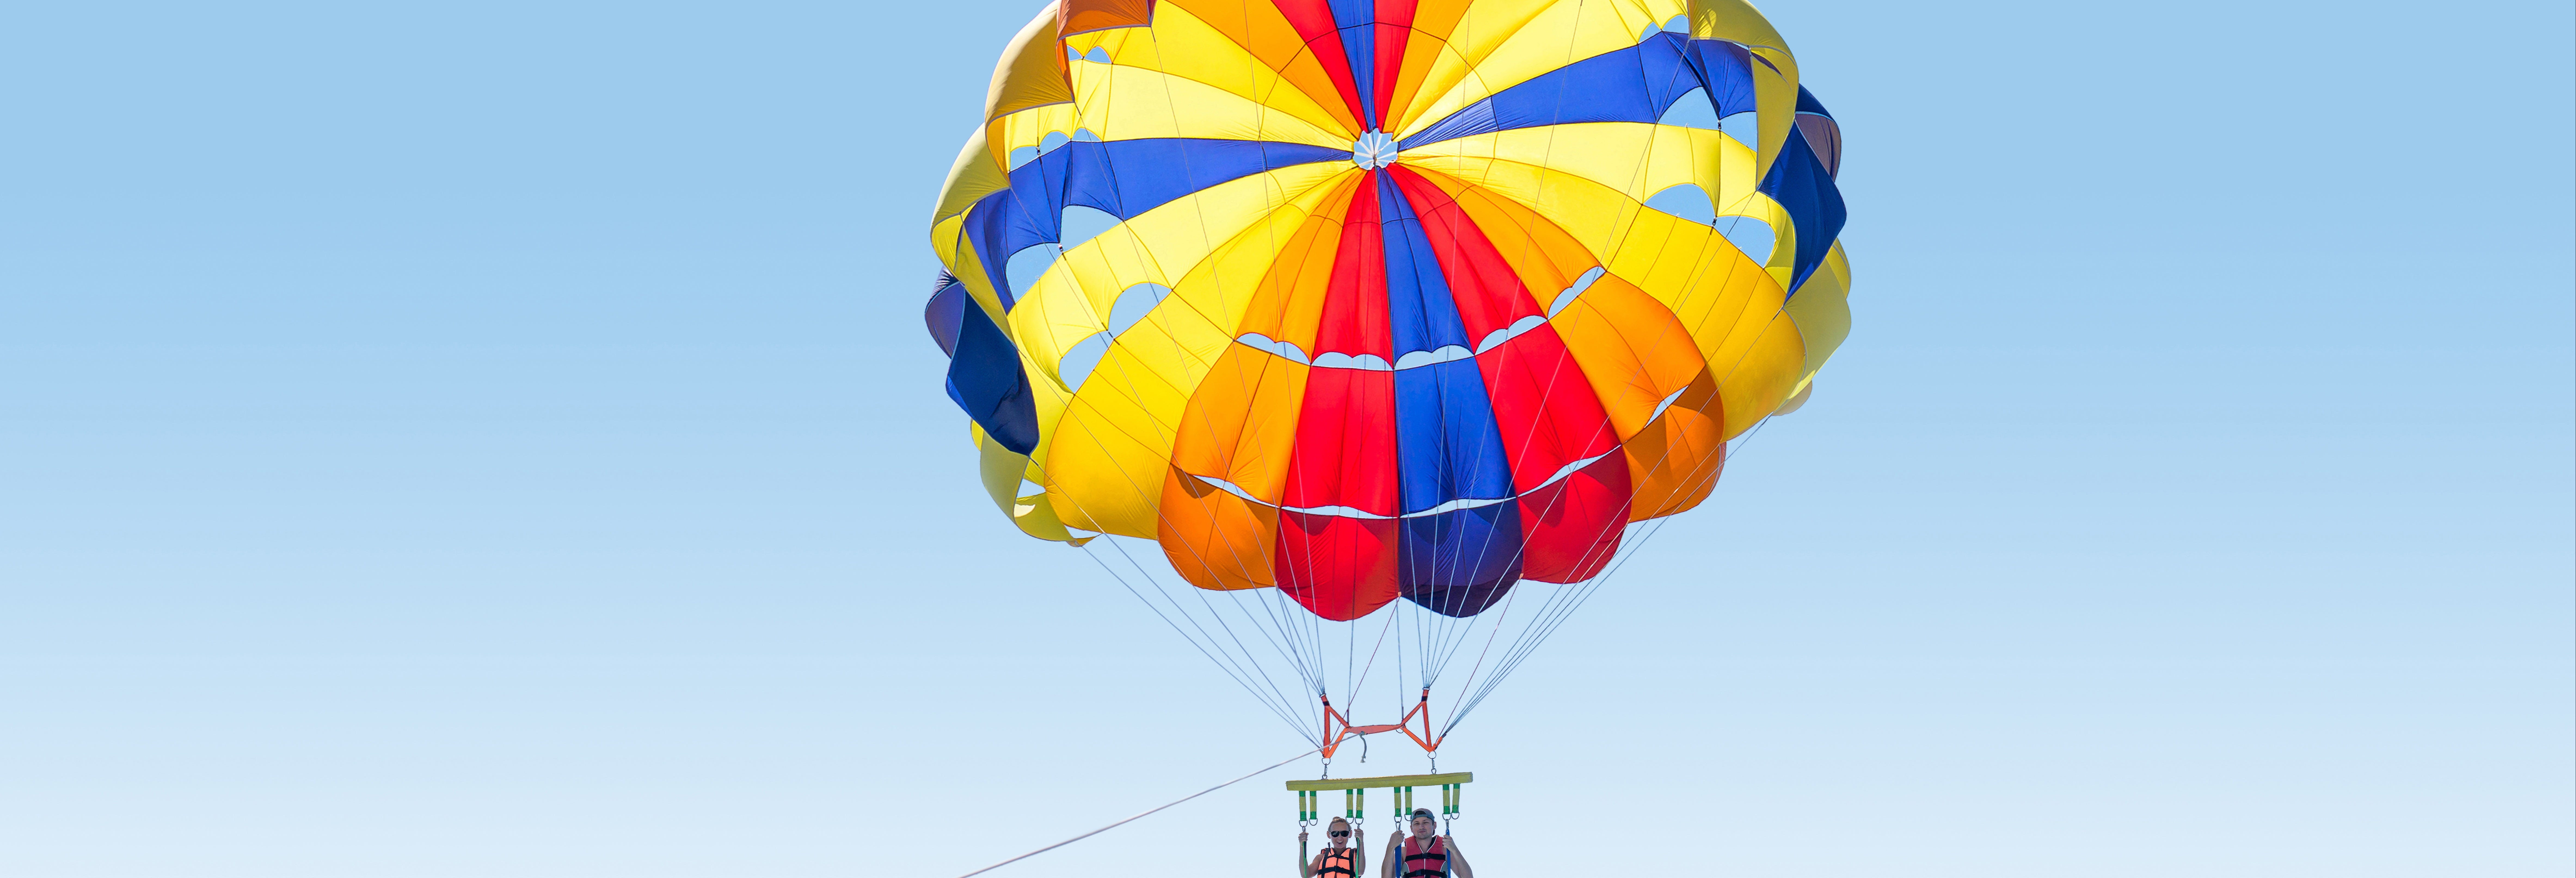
point(1373, 150)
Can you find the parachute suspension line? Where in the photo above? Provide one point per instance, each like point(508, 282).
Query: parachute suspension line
point(1585, 594)
point(1280, 635)
point(1428, 625)
point(1304, 657)
point(1546, 627)
point(1306, 646)
point(1542, 629)
point(1308, 655)
point(1285, 702)
point(1305, 642)
point(1439, 636)
point(1147, 813)
point(1546, 164)
point(1221, 664)
point(1308, 664)
point(1307, 634)
point(1400, 658)
point(1511, 599)
point(1212, 614)
point(1553, 611)
point(1421, 642)
point(1508, 601)
point(1559, 606)
point(1562, 605)
point(1358, 678)
point(1350, 661)
point(1353, 693)
point(1237, 639)
point(1242, 665)
point(1452, 635)
point(1303, 653)
point(1445, 635)
point(1293, 659)
point(1520, 652)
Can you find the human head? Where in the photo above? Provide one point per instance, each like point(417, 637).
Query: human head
point(1338, 831)
point(1425, 825)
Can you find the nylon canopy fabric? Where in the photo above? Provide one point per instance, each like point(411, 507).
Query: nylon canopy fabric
point(1362, 300)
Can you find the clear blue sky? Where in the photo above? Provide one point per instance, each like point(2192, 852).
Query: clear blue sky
point(498, 439)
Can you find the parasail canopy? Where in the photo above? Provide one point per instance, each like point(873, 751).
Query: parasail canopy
point(1351, 304)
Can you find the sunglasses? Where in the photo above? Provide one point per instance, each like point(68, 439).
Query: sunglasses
point(1341, 835)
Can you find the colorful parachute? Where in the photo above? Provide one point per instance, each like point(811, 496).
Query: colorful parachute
point(1359, 300)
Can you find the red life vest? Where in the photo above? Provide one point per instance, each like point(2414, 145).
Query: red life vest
point(1430, 862)
point(1337, 862)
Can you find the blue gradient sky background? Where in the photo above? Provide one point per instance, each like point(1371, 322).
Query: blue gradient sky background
point(498, 439)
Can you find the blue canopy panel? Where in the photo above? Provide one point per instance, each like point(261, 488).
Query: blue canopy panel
point(1122, 178)
point(1357, 22)
point(1726, 70)
point(985, 378)
point(1635, 84)
point(1823, 134)
point(946, 312)
point(1458, 559)
point(1459, 562)
point(1804, 186)
point(1807, 103)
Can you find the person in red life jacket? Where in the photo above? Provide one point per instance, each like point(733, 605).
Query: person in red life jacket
point(1425, 854)
point(1343, 859)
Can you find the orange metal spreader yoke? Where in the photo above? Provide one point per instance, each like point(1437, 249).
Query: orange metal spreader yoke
point(1333, 736)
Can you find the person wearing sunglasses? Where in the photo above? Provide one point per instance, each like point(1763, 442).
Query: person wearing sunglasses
point(1343, 859)
point(1426, 854)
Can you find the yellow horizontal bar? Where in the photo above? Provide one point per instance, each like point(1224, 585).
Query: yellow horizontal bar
point(1401, 780)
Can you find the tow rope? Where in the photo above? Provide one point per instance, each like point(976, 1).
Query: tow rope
point(1137, 817)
